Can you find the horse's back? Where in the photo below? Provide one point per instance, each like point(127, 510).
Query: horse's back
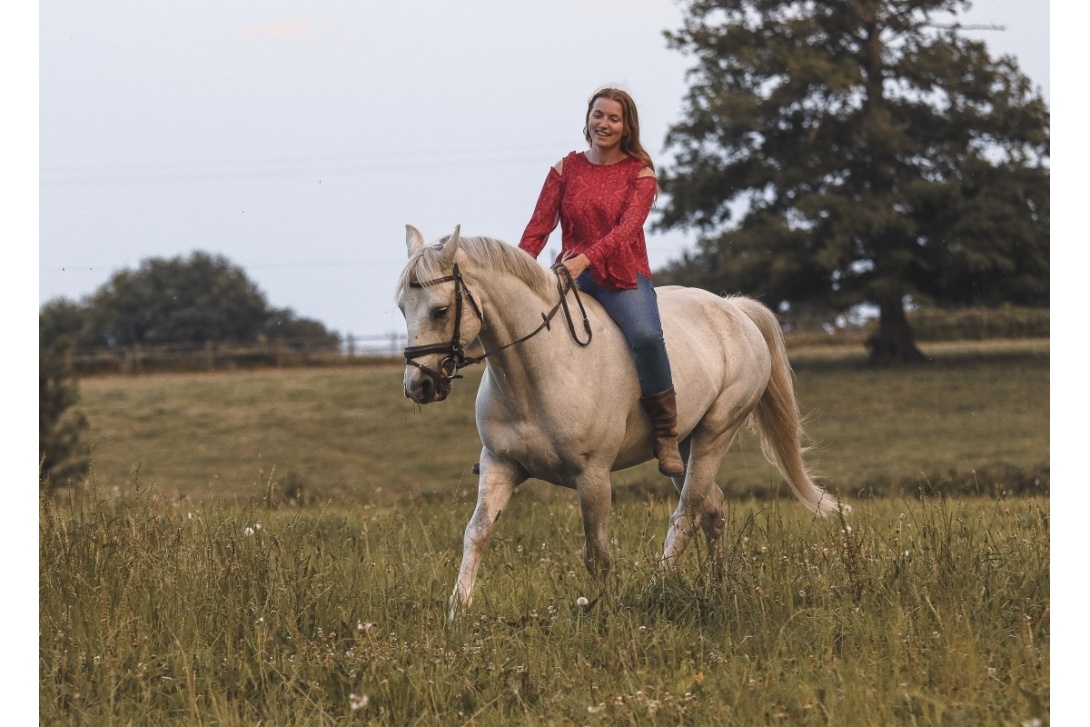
point(703, 324)
point(714, 345)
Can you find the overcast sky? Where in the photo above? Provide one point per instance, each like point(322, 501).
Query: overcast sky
point(298, 138)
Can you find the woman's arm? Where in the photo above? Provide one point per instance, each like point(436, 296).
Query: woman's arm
point(546, 213)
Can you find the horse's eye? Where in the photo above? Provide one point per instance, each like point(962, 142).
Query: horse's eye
point(440, 313)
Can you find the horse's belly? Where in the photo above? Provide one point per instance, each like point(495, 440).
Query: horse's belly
point(561, 439)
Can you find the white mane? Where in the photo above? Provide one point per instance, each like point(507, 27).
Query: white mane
point(485, 252)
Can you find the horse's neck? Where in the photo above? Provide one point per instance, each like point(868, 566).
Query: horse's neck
point(514, 311)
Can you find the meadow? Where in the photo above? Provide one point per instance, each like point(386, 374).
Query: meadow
point(975, 419)
point(277, 547)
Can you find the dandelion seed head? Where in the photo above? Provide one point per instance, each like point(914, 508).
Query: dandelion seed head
point(581, 601)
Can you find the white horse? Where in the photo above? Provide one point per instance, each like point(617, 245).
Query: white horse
point(552, 407)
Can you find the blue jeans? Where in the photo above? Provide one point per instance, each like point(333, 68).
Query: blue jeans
point(636, 313)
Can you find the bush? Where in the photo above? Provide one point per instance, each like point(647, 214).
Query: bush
point(62, 459)
point(929, 325)
point(979, 324)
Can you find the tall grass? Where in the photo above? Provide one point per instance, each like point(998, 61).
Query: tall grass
point(931, 612)
point(278, 548)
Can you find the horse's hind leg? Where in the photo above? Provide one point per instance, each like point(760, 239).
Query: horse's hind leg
point(701, 500)
point(713, 522)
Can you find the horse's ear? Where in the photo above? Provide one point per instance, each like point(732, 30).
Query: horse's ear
point(450, 245)
point(413, 239)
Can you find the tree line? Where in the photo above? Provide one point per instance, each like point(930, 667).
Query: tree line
point(194, 299)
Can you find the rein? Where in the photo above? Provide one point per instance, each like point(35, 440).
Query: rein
point(456, 358)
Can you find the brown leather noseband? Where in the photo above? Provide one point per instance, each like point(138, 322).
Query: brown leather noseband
point(456, 358)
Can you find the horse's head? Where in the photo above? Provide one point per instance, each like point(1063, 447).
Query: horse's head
point(441, 316)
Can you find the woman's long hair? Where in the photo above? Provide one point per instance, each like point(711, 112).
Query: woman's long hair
point(630, 141)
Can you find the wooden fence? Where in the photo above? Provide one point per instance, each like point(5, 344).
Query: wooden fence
point(216, 356)
point(928, 325)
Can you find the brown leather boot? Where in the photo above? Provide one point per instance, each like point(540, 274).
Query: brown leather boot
point(662, 408)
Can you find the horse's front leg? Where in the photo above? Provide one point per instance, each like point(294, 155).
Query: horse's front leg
point(594, 505)
point(497, 483)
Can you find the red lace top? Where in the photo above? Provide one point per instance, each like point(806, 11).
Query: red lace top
point(601, 210)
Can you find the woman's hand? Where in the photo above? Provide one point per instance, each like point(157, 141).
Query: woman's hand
point(576, 265)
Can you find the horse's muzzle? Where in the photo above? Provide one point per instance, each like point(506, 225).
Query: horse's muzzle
point(424, 389)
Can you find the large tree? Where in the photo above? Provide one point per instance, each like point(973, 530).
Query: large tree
point(192, 299)
point(872, 152)
point(178, 300)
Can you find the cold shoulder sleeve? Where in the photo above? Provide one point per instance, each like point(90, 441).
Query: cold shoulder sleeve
point(613, 245)
point(546, 214)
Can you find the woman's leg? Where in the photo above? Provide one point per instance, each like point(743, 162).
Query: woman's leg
point(636, 313)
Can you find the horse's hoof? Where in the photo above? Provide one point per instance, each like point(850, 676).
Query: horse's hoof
point(476, 468)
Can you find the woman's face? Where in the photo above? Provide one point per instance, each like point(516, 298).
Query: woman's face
point(606, 123)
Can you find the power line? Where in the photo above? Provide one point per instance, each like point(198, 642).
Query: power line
point(230, 170)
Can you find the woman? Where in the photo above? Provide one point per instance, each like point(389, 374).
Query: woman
point(601, 199)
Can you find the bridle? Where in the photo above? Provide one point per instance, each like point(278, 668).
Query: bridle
point(456, 358)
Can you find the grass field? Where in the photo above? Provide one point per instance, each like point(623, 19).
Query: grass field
point(235, 562)
point(978, 417)
point(931, 612)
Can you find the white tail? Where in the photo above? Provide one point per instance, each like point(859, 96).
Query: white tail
point(777, 419)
